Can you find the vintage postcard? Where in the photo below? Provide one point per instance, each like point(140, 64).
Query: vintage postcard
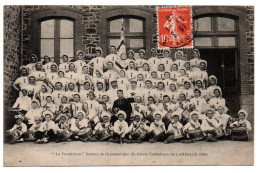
point(99, 85)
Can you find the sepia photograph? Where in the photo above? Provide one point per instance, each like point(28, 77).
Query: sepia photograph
point(128, 85)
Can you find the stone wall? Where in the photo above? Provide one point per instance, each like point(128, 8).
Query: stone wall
point(12, 30)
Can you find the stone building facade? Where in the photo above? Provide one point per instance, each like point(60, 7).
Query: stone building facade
point(91, 29)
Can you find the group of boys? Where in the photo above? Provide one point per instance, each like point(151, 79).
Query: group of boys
point(122, 99)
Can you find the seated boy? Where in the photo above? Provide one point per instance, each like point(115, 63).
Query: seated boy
point(30, 134)
point(193, 129)
point(138, 129)
point(175, 129)
point(47, 130)
point(15, 134)
point(211, 126)
point(241, 127)
point(80, 127)
point(157, 128)
point(103, 131)
point(120, 127)
point(63, 132)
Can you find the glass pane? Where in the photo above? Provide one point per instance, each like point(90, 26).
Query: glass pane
point(66, 29)
point(66, 47)
point(226, 41)
point(202, 24)
point(225, 24)
point(114, 42)
point(115, 25)
point(47, 29)
point(136, 25)
point(47, 47)
point(134, 43)
point(203, 41)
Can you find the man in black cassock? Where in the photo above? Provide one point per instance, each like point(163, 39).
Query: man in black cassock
point(123, 104)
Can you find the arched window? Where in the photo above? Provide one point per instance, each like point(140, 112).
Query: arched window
point(57, 38)
point(56, 31)
point(134, 32)
point(215, 31)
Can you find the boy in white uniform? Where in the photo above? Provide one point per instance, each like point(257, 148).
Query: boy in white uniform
point(71, 90)
point(23, 80)
point(142, 59)
point(111, 73)
point(217, 101)
point(72, 73)
point(154, 60)
point(58, 93)
point(201, 73)
point(62, 79)
point(187, 90)
point(15, 134)
point(31, 65)
point(212, 87)
point(174, 72)
point(195, 60)
point(131, 71)
point(39, 74)
point(112, 56)
point(145, 71)
point(79, 63)
point(178, 59)
point(98, 61)
point(64, 65)
point(52, 75)
point(120, 127)
point(23, 102)
point(173, 92)
point(46, 64)
point(198, 103)
point(122, 80)
point(167, 61)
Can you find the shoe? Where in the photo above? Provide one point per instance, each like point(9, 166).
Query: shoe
point(125, 141)
point(20, 140)
point(111, 140)
point(152, 140)
point(93, 139)
point(83, 139)
point(45, 140)
point(68, 140)
point(38, 141)
point(76, 137)
point(166, 142)
point(12, 142)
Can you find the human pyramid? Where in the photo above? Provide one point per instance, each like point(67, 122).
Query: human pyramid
point(124, 100)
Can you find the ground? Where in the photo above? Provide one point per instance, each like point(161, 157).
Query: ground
point(77, 153)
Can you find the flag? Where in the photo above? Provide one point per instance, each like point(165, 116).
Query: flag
point(121, 50)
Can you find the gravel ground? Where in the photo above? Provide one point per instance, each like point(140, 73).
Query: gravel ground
point(77, 153)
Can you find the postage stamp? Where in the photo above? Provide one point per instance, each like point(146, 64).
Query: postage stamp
point(174, 27)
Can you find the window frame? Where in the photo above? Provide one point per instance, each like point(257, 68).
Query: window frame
point(128, 35)
point(55, 12)
point(214, 33)
point(57, 38)
point(145, 13)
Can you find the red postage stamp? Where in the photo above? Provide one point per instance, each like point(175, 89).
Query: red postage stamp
point(175, 27)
